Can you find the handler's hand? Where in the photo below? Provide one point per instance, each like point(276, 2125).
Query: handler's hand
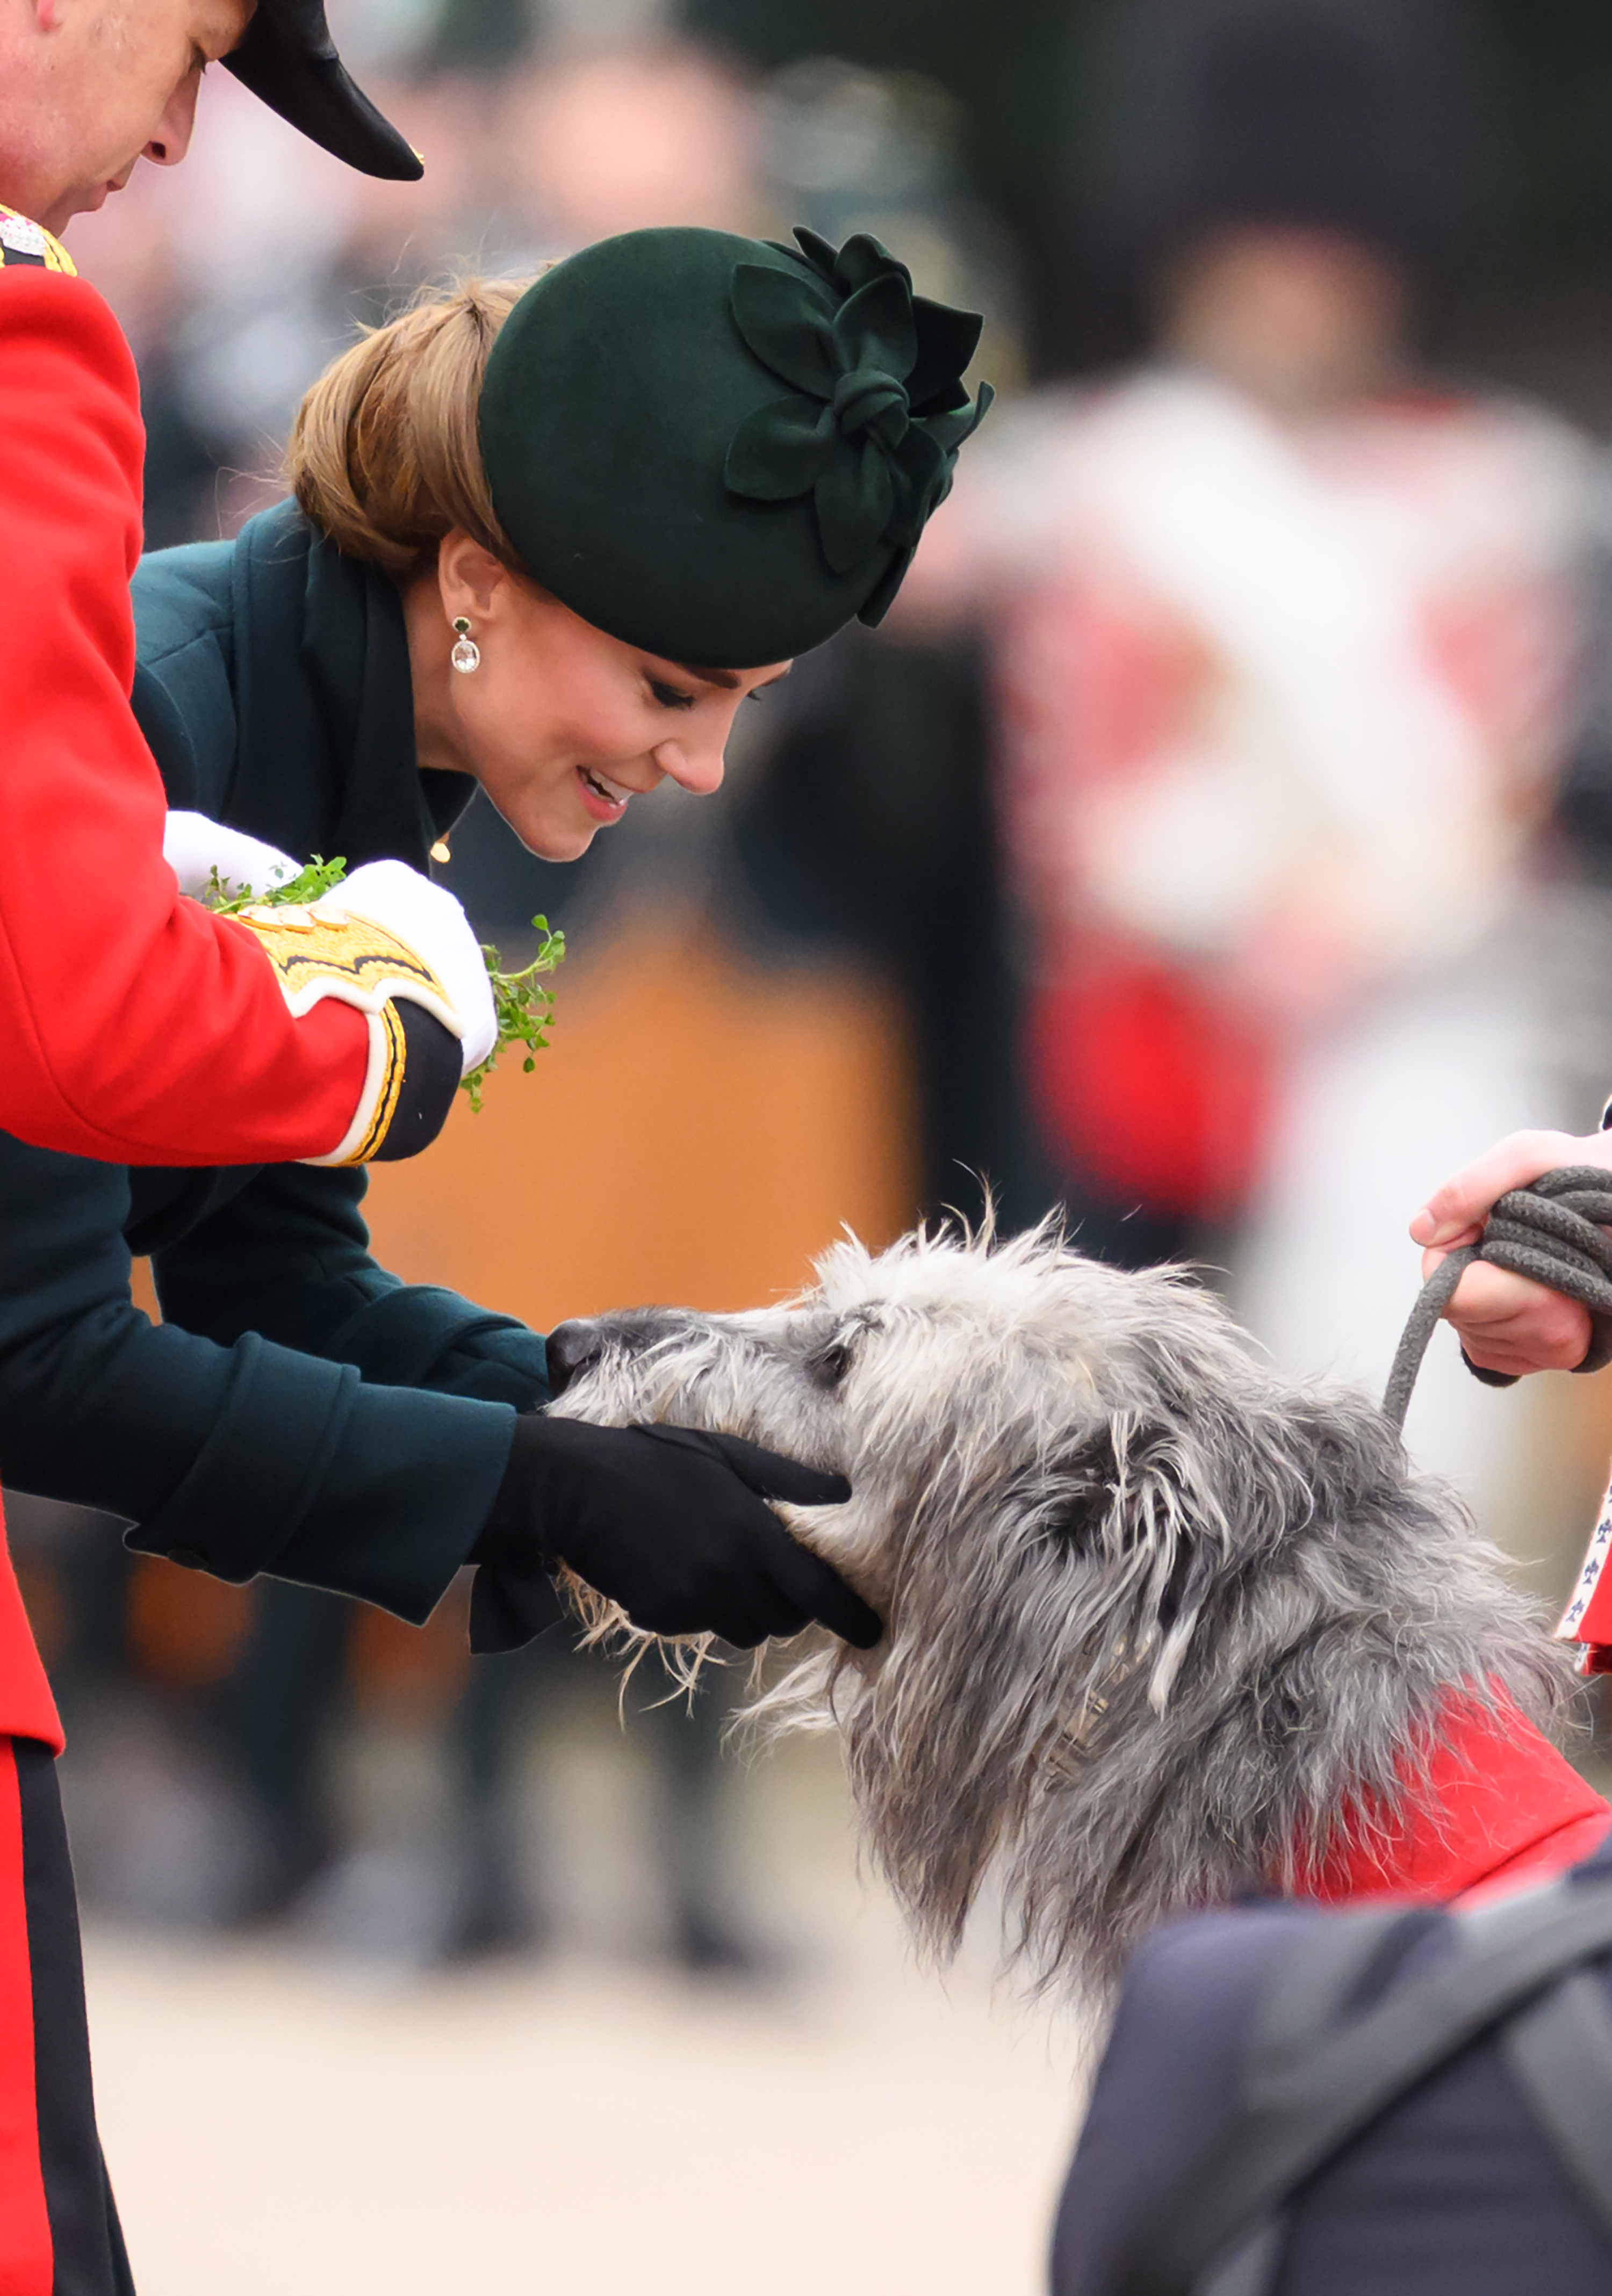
point(1506, 1322)
point(668, 1521)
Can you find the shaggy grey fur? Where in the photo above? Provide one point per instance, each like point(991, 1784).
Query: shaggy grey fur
point(1161, 1625)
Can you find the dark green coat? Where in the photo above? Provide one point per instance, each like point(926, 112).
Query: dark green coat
point(299, 1410)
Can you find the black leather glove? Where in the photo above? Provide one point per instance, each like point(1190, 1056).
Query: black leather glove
point(668, 1521)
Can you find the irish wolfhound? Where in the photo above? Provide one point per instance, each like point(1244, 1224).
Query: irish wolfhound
point(1161, 1624)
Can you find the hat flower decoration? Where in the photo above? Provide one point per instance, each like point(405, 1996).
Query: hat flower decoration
point(878, 408)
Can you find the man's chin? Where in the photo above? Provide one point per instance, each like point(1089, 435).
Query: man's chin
point(86, 198)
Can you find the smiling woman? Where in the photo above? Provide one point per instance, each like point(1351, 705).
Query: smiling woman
point(545, 538)
point(584, 534)
point(561, 723)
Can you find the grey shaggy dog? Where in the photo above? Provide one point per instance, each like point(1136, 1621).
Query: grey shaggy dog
point(1162, 1625)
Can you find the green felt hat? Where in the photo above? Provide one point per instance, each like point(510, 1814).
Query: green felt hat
point(723, 449)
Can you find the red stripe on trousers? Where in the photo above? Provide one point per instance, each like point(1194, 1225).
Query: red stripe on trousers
point(26, 2261)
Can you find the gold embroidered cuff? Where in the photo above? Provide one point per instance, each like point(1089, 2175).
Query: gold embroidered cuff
point(321, 952)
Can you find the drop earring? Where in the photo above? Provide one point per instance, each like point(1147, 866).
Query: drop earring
point(466, 654)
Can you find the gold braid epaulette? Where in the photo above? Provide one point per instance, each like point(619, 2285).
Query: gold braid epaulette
point(321, 952)
point(24, 243)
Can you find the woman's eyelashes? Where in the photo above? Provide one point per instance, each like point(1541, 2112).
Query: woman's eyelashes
point(670, 697)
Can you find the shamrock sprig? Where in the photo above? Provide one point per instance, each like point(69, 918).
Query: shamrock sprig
point(310, 884)
point(523, 1007)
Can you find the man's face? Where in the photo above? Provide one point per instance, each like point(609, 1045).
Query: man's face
point(93, 85)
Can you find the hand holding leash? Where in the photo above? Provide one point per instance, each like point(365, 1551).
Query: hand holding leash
point(1551, 1234)
point(1512, 1319)
point(1537, 1271)
point(671, 1522)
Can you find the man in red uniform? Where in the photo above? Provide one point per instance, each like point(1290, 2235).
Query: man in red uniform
point(143, 1029)
point(134, 1025)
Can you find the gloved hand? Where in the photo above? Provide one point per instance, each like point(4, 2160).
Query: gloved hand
point(425, 918)
point(431, 921)
point(193, 846)
point(668, 1521)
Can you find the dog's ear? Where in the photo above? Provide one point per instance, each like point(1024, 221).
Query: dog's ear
point(1140, 1503)
point(1070, 1496)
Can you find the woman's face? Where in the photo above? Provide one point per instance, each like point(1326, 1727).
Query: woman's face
point(562, 726)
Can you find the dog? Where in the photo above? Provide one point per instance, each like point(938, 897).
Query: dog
point(1162, 1625)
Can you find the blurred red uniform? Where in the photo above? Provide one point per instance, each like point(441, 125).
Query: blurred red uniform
point(1280, 704)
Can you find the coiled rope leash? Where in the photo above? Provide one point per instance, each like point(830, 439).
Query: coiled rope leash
point(1550, 1232)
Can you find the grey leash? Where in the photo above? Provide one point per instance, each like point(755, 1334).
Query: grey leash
point(1550, 1232)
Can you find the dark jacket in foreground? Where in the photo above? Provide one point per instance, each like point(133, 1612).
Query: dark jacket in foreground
point(299, 1410)
point(1245, 2041)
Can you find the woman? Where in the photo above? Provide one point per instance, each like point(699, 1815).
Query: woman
point(547, 542)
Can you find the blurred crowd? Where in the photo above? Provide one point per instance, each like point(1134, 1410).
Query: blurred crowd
point(1222, 821)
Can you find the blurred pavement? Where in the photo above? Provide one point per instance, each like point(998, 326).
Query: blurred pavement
point(582, 2125)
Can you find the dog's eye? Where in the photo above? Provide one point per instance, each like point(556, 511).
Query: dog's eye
point(830, 1365)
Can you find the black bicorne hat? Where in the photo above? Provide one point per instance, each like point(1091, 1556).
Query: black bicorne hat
point(1361, 116)
point(721, 450)
point(289, 58)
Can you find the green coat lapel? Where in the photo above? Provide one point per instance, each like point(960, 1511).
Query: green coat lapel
point(323, 702)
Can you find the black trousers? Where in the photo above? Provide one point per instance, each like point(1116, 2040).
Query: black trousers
point(58, 2232)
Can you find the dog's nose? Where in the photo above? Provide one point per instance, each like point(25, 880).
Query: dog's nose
point(572, 1348)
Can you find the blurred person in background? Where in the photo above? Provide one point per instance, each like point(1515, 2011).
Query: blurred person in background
point(601, 140)
point(1283, 641)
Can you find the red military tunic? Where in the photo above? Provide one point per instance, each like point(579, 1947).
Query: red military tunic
point(134, 1027)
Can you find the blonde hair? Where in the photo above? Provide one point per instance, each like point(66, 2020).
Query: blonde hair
point(384, 455)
